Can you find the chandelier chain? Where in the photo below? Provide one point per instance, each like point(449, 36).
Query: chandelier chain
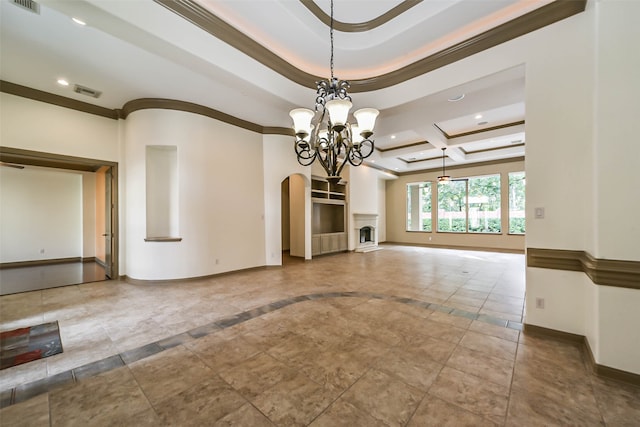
point(331, 36)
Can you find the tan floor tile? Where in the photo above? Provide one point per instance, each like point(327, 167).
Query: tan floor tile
point(220, 353)
point(169, 373)
point(106, 399)
point(494, 330)
point(296, 401)
point(384, 397)
point(443, 331)
point(465, 300)
point(255, 375)
point(494, 369)
point(499, 315)
point(449, 319)
point(503, 307)
point(30, 413)
point(246, 415)
point(343, 414)
point(434, 412)
point(430, 348)
point(472, 393)
point(527, 407)
point(492, 346)
point(201, 404)
point(619, 403)
point(418, 372)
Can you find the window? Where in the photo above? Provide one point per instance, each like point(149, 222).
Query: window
point(452, 206)
point(516, 202)
point(470, 205)
point(419, 207)
point(484, 204)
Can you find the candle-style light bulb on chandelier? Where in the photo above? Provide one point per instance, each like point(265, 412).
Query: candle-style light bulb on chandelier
point(331, 138)
point(445, 179)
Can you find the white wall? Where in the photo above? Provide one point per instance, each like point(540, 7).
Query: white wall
point(221, 196)
point(33, 125)
point(617, 150)
point(279, 162)
point(364, 197)
point(40, 214)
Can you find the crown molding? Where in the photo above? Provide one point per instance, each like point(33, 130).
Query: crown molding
point(475, 132)
point(536, 19)
point(357, 27)
point(463, 166)
point(61, 101)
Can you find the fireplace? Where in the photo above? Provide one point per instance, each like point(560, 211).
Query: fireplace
point(366, 232)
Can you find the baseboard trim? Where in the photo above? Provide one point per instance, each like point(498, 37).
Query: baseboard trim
point(39, 262)
point(192, 279)
point(462, 248)
point(89, 259)
point(599, 370)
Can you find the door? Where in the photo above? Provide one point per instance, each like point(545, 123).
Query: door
point(108, 224)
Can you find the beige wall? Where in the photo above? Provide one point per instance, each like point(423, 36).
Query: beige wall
point(396, 211)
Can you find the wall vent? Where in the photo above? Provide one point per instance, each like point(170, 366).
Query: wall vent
point(29, 5)
point(83, 90)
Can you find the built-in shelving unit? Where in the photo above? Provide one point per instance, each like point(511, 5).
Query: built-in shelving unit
point(329, 219)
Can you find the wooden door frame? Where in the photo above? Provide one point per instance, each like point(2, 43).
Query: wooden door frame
point(83, 164)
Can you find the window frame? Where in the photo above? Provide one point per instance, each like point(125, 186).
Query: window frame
point(406, 223)
point(466, 231)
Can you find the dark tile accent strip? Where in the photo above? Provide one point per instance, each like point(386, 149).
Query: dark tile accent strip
point(202, 331)
point(98, 367)
point(140, 353)
point(175, 341)
point(6, 398)
point(26, 391)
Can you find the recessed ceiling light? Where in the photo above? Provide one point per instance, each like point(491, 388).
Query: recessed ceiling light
point(63, 82)
point(79, 21)
point(482, 123)
point(393, 137)
point(478, 116)
point(373, 161)
point(396, 168)
point(456, 98)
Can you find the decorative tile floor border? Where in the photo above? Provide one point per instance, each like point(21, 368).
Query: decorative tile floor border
point(26, 391)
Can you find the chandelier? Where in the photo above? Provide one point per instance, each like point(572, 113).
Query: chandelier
point(331, 139)
point(445, 179)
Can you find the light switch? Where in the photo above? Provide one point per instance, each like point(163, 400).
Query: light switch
point(539, 213)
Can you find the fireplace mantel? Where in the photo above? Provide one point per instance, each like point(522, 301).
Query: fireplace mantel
point(366, 220)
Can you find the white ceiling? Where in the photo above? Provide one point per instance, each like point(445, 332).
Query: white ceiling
point(139, 49)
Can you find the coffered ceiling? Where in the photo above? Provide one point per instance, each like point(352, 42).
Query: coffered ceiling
point(255, 60)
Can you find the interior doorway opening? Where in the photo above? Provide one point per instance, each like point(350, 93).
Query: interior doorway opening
point(293, 218)
point(41, 260)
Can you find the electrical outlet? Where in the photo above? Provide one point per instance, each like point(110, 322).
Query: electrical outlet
point(539, 213)
point(540, 303)
point(41, 251)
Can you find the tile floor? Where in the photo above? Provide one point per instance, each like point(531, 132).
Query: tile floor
point(403, 336)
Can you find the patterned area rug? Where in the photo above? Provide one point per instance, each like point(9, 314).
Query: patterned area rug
point(26, 344)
